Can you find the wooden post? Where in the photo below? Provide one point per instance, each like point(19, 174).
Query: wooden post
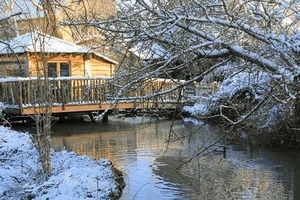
point(28, 92)
point(105, 117)
point(62, 95)
point(12, 94)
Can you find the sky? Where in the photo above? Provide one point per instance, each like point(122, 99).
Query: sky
point(25, 6)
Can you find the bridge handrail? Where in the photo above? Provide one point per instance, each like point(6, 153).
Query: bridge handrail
point(24, 91)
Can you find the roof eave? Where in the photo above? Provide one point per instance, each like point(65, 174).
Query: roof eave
point(104, 57)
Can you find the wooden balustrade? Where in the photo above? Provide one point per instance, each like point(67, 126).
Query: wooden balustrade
point(23, 93)
point(62, 91)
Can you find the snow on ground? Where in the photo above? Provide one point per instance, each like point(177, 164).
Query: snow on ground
point(196, 109)
point(2, 107)
point(194, 121)
point(73, 176)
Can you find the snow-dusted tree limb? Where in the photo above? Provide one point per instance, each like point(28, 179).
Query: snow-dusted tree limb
point(173, 19)
point(11, 51)
point(10, 16)
point(37, 5)
point(257, 106)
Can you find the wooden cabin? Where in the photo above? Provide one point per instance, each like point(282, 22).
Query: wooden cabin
point(77, 75)
point(26, 55)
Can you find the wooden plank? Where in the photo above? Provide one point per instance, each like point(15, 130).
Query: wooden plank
point(76, 108)
point(20, 96)
point(5, 62)
point(82, 91)
point(55, 92)
point(3, 93)
point(12, 96)
point(28, 92)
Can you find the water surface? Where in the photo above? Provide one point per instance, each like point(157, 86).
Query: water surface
point(150, 153)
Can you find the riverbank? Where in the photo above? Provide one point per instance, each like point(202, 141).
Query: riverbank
point(275, 128)
point(72, 177)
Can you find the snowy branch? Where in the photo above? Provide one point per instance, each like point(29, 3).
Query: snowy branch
point(10, 16)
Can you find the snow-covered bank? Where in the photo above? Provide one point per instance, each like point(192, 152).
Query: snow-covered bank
point(237, 95)
point(73, 176)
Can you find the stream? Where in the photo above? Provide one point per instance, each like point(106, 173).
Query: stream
point(154, 160)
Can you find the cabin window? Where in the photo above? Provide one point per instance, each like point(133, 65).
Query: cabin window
point(64, 69)
point(60, 69)
point(52, 69)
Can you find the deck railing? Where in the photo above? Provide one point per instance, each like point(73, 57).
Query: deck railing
point(25, 92)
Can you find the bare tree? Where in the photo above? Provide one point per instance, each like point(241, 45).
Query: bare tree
point(43, 96)
point(43, 101)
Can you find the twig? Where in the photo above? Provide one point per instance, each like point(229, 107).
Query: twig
point(139, 190)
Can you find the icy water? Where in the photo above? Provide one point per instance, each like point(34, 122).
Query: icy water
point(149, 154)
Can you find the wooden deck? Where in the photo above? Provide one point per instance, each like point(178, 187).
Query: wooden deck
point(21, 96)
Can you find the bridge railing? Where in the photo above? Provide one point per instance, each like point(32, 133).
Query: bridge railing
point(159, 88)
point(26, 92)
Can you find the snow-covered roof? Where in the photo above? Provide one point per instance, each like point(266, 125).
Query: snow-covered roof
point(39, 42)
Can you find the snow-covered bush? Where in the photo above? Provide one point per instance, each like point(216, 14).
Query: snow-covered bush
point(237, 95)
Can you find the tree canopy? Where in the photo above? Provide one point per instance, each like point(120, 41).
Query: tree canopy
point(216, 40)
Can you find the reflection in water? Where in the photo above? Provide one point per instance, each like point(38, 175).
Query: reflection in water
point(141, 151)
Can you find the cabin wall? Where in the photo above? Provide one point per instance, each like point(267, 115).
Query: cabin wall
point(76, 63)
point(12, 66)
point(35, 66)
point(100, 68)
point(32, 66)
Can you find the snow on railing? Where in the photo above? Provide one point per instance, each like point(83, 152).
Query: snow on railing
point(25, 92)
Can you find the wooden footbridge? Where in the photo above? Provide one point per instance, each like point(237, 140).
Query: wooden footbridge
point(70, 90)
point(22, 96)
